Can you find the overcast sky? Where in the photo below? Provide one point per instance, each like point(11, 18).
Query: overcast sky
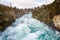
point(25, 3)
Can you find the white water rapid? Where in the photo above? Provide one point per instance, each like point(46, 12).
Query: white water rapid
point(28, 28)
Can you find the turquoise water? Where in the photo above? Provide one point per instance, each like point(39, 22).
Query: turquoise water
point(28, 28)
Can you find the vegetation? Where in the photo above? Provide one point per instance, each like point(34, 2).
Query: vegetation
point(46, 13)
point(9, 14)
point(6, 18)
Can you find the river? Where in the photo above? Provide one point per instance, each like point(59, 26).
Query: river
point(28, 28)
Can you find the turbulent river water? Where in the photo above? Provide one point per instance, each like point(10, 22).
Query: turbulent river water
point(28, 28)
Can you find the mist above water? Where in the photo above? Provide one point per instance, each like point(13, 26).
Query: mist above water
point(28, 28)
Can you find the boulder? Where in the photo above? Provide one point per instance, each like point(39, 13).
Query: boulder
point(56, 21)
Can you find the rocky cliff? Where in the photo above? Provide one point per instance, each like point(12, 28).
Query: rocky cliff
point(46, 13)
point(6, 17)
point(9, 14)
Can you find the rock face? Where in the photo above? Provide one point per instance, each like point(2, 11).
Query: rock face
point(6, 17)
point(56, 21)
point(6, 20)
point(47, 12)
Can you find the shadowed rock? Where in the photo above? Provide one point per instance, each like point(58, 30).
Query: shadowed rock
point(6, 19)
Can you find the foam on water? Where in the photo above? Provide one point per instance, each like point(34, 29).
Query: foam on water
point(28, 28)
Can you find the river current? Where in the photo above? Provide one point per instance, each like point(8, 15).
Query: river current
point(28, 28)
